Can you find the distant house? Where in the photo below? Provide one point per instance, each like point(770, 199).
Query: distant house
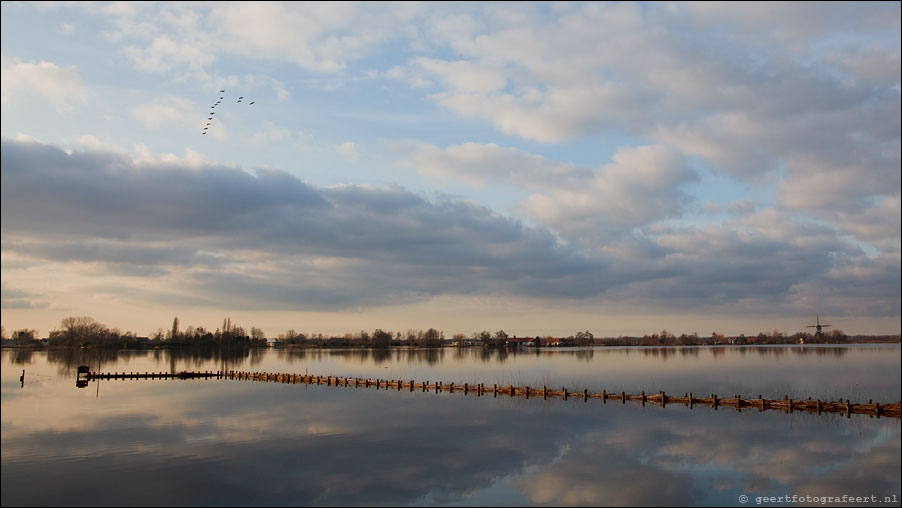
point(562, 342)
point(522, 342)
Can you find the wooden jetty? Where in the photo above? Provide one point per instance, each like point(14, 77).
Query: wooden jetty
point(787, 405)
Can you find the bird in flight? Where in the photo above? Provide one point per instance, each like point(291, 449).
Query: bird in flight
point(222, 91)
point(252, 102)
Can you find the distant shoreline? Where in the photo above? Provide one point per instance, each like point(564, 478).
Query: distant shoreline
point(599, 343)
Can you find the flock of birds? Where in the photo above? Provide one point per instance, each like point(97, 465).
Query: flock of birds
point(213, 107)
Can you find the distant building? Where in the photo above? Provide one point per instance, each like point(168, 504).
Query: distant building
point(522, 342)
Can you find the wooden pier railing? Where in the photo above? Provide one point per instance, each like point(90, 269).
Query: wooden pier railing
point(846, 407)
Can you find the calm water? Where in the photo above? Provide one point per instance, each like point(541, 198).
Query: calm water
point(219, 442)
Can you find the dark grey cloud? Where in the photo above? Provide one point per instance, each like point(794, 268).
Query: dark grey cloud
point(104, 194)
point(327, 248)
point(268, 240)
point(18, 299)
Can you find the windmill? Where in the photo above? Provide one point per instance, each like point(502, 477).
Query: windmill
point(818, 326)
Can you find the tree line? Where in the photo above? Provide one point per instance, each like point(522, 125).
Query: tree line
point(85, 332)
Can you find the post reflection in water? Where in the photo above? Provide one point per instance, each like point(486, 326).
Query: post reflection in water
point(221, 442)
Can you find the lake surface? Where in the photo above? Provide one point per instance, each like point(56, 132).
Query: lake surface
point(242, 443)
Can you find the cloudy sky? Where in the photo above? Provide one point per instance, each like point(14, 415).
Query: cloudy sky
point(540, 168)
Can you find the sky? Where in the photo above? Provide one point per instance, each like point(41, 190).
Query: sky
point(541, 168)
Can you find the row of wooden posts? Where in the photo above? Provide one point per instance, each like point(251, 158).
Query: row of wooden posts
point(847, 407)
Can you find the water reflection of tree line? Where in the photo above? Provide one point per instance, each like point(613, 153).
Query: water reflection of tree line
point(430, 356)
point(231, 358)
point(776, 352)
point(68, 359)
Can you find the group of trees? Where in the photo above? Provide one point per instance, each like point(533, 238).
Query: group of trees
point(85, 332)
point(229, 335)
point(378, 339)
point(665, 338)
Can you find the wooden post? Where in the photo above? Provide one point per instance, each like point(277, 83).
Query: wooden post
point(512, 390)
point(690, 400)
point(714, 397)
point(494, 390)
point(738, 403)
point(663, 402)
point(545, 392)
point(623, 397)
point(604, 396)
point(585, 395)
point(527, 392)
point(565, 394)
point(466, 388)
point(643, 398)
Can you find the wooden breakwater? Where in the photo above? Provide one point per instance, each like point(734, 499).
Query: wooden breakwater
point(787, 405)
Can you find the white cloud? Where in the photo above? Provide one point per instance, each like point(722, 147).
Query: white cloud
point(475, 164)
point(347, 150)
point(169, 111)
point(61, 87)
point(640, 186)
point(319, 37)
